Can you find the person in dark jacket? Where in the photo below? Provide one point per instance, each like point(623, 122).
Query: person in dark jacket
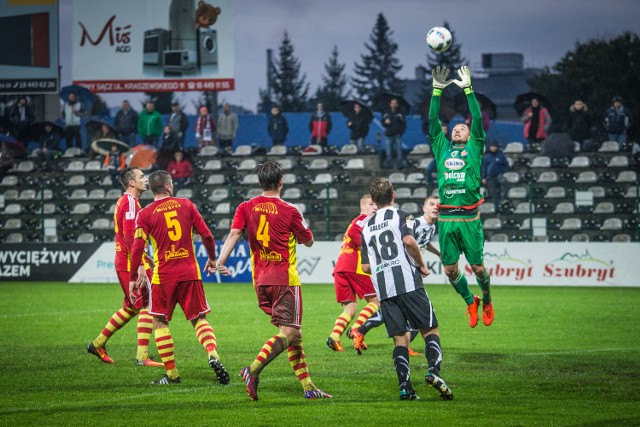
point(178, 122)
point(617, 120)
point(49, 146)
point(170, 144)
point(579, 124)
point(21, 115)
point(277, 127)
point(494, 165)
point(320, 126)
point(395, 125)
point(126, 124)
point(358, 122)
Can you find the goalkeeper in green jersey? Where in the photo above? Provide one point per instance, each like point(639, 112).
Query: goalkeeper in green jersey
point(458, 168)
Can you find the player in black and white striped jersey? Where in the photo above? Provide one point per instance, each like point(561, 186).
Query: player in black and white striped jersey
point(392, 255)
point(425, 226)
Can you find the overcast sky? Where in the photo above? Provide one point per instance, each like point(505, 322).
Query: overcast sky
point(543, 30)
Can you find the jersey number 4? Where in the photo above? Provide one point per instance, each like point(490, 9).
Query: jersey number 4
point(174, 230)
point(385, 248)
point(263, 231)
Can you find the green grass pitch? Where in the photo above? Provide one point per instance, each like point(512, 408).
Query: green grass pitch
point(554, 356)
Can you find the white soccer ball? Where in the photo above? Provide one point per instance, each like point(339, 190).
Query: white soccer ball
point(439, 39)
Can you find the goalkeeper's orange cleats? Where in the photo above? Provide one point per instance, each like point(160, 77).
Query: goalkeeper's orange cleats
point(472, 311)
point(487, 313)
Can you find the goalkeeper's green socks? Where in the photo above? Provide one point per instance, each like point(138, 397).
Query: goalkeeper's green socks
point(462, 287)
point(484, 284)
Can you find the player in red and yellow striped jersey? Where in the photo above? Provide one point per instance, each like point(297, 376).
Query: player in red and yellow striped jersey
point(350, 281)
point(167, 223)
point(274, 228)
point(124, 220)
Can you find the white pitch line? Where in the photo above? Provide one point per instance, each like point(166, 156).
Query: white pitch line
point(55, 313)
point(569, 352)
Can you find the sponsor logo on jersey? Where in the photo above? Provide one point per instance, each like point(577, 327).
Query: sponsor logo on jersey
point(169, 205)
point(451, 192)
point(266, 207)
point(454, 164)
point(464, 153)
point(458, 176)
point(270, 256)
point(175, 254)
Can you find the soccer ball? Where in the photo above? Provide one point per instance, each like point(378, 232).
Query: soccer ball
point(439, 39)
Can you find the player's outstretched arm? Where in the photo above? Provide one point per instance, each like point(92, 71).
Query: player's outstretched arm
point(439, 82)
point(477, 131)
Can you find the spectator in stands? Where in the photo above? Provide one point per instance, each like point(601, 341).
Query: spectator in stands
point(494, 165)
point(617, 120)
point(558, 146)
point(358, 122)
point(277, 127)
point(170, 144)
point(49, 146)
point(115, 163)
point(204, 127)
point(395, 125)
point(126, 123)
point(178, 122)
point(105, 131)
point(150, 124)
point(320, 126)
point(537, 123)
point(21, 115)
point(579, 125)
point(227, 127)
point(7, 158)
point(72, 113)
point(180, 169)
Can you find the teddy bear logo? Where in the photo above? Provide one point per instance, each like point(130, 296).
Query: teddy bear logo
point(206, 15)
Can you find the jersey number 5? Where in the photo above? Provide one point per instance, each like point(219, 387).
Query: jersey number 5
point(263, 231)
point(174, 230)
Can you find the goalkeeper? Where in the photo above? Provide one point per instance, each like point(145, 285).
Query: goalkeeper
point(458, 170)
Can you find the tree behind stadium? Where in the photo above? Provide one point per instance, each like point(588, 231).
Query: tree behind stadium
point(595, 72)
point(334, 84)
point(377, 73)
point(289, 89)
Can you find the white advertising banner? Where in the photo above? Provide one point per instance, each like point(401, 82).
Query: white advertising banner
point(153, 45)
point(538, 264)
point(548, 264)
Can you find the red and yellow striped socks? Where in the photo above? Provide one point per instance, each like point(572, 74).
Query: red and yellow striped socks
point(117, 321)
point(272, 348)
point(341, 324)
point(164, 341)
point(366, 312)
point(298, 362)
point(145, 327)
point(207, 337)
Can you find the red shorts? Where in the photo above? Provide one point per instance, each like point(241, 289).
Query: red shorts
point(282, 303)
point(347, 285)
point(190, 295)
point(123, 278)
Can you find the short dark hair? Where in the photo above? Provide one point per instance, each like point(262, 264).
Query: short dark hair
point(381, 191)
point(158, 180)
point(127, 175)
point(269, 175)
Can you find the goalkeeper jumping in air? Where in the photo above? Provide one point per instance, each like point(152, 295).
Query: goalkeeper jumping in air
point(458, 165)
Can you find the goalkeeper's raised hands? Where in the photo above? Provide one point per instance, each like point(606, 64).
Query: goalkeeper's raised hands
point(465, 78)
point(440, 75)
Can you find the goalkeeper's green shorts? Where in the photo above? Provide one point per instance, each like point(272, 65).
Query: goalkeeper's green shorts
point(461, 236)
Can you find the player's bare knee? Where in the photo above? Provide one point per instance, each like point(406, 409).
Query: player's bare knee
point(451, 271)
point(479, 270)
